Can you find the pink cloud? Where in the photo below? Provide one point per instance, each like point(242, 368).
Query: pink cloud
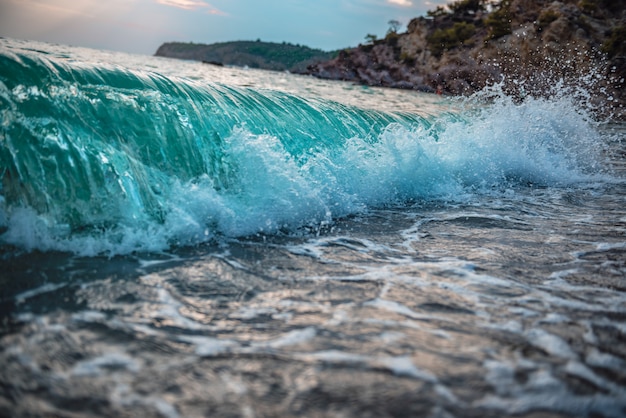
point(402, 3)
point(191, 5)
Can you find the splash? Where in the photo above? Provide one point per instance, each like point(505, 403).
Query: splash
point(97, 159)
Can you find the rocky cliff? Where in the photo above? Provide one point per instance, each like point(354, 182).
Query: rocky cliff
point(528, 45)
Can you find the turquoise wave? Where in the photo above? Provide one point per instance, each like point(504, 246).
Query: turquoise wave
point(99, 159)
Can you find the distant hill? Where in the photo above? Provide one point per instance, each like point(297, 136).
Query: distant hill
point(254, 54)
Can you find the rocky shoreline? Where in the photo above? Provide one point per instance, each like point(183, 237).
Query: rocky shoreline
point(532, 47)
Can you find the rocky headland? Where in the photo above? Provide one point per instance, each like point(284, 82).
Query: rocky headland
point(530, 46)
point(254, 54)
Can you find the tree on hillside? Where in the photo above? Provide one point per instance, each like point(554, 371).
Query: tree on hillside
point(370, 38)
point(394, 26)
point(468, 6)
point(499, 21)
point(438, 12)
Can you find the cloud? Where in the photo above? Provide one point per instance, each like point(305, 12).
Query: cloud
point(191, 5)
point(403, 3)
point(57, 8)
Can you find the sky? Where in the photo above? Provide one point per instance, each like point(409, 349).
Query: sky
point(140, 26)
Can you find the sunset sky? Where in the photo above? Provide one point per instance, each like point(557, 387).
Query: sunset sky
point(140, 26)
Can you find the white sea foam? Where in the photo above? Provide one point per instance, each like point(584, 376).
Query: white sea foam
point(270, 188)
point(108, 361)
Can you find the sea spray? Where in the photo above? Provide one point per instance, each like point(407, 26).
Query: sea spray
point(100, 159)
point(546, 140)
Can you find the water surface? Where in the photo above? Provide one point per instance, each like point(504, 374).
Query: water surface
point(186, 240)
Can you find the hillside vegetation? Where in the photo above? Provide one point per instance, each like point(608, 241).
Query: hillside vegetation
point(528, 45)
point(253, 54)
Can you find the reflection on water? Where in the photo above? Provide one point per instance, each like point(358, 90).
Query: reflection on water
point(510, 306)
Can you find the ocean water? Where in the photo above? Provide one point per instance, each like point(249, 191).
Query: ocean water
point(184, 240)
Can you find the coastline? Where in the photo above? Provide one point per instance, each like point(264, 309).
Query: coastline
point(531, 47)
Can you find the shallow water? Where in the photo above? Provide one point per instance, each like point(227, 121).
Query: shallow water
point(499, 299)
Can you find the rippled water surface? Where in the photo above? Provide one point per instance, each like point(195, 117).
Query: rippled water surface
point(505, 300)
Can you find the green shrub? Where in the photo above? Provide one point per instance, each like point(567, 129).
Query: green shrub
point(438, 12)
point(371, 38)
point(546, 18)
point(499, 21)
point(391, 39)
point(407, 58)
point(463, 6)
point(588, 6)
point(616, 43)
point(443, 39)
